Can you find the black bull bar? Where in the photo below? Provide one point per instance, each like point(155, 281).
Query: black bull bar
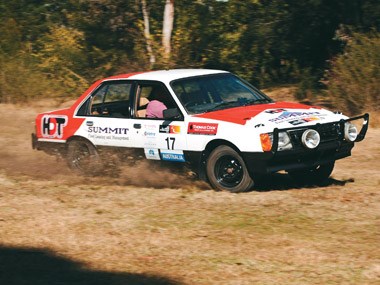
point(342, 122)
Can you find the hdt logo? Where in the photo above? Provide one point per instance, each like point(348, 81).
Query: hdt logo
point(52, 126)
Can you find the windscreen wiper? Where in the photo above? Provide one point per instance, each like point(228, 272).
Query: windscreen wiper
point(258, 101)
point(225, 104)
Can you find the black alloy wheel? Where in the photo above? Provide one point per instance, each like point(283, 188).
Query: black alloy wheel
point(83, 157)
point(227, 171)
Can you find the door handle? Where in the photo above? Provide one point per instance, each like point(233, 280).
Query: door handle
point(137, 126)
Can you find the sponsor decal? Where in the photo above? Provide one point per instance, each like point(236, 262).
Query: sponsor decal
point(202, 128)
point(297, 122)
point(151, 153)
point(311, 119)
point(296, 118)
point(303, 121)
point(172, 155)
point(52, 126)
point(275, 111)
point(108, 133)
point(108, 130)
point(150, 143)
point(175, 129)
point(164, 129)
point(150, 127)
point(149, 134)
point(169, 129)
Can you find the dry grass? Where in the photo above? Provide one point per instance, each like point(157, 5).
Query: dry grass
point(110, 231)
point(285, 93)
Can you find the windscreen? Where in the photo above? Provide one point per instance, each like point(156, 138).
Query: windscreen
point(216, 92)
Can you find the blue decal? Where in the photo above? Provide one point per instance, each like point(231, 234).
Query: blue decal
point(173, 157)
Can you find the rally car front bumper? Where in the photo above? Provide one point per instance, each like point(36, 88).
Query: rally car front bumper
point(333, 146)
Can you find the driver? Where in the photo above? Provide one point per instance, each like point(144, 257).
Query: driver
point(156, 107)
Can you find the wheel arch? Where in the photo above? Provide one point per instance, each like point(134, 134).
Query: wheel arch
point(226, 168)
point(83, 156)
point(211, 145)
point(79, 138)
point(217, 142)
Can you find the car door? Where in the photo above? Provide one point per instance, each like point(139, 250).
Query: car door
point(161, 139)
point(107, 112)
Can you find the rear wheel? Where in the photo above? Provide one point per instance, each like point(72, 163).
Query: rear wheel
point(316, 175)
point(83, 157)
point(227, 171)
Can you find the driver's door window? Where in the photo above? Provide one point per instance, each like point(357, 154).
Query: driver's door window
point(151, 100)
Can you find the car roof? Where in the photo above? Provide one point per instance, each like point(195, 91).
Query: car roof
point(165, 75)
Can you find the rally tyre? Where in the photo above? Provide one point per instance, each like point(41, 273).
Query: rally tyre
point(82, 157)
point(317, 175)
point(226, 170)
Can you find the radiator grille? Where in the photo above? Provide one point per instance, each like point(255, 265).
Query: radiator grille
point(328, 132)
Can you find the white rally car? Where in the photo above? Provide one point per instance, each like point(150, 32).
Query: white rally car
point(229, 132)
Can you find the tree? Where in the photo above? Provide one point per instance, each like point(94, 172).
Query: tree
point(148, 37)
point(167, 28)
point(61, 56)
point(152, 46)
point(354, 80)
point(268, 42)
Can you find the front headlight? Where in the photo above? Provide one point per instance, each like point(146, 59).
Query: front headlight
point(311, 138)
point(284, 141)
point(350, 132)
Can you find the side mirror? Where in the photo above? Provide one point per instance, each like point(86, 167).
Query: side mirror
point(172, 113)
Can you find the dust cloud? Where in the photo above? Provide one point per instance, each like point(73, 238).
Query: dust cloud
point(19, 159)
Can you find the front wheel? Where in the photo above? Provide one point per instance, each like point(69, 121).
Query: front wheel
point(316, 175)
point(227, 171)
point(83, 157)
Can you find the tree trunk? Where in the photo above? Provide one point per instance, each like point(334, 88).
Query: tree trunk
point(148, 38)
point(167, 27)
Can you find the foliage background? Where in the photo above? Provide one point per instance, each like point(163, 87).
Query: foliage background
point(56, 48)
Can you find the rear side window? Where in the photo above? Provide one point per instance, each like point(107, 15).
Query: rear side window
point(112, 99)
point(117, 92)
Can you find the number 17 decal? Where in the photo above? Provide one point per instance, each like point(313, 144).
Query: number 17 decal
point(170, 142)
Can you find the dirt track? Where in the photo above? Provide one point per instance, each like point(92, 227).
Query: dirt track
point(164, 228)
